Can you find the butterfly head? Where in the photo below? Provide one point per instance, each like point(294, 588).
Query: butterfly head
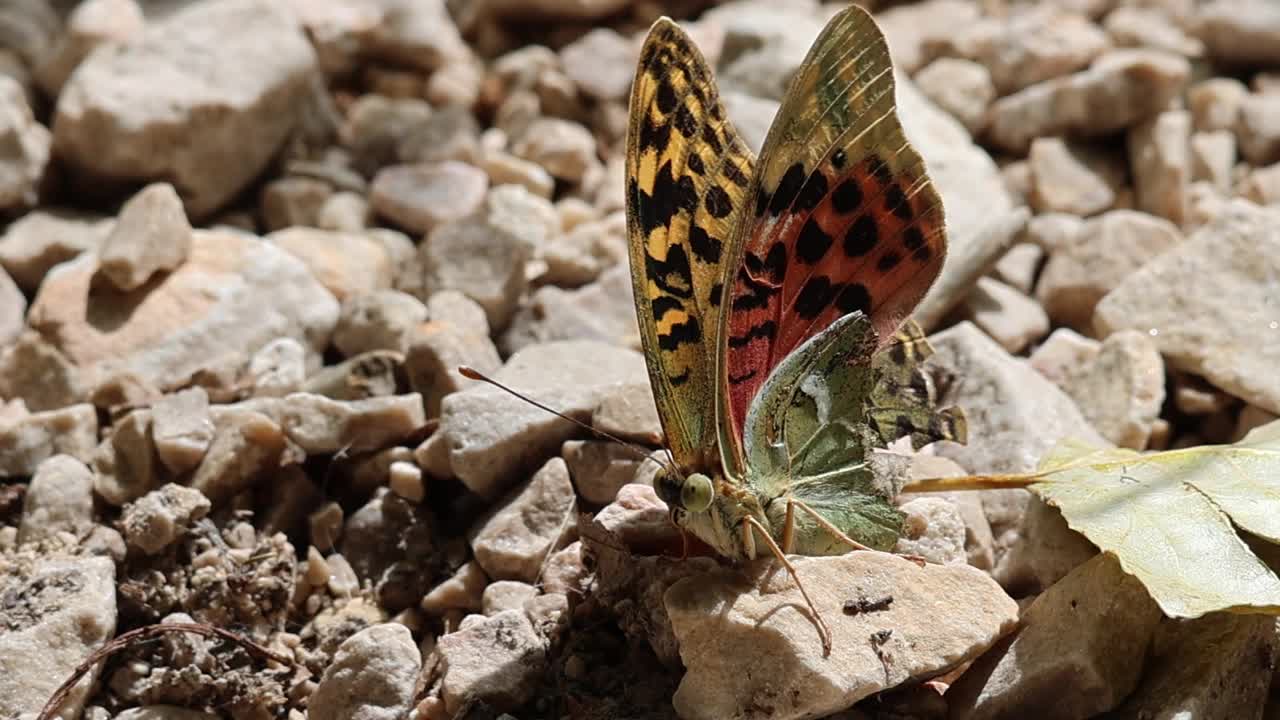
point(693, 492)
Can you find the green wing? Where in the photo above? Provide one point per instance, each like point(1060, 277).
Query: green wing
point(810, 431)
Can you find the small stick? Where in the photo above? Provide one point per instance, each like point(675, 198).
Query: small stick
point(144, 633)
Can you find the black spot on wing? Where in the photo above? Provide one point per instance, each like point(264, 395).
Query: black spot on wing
point(814, 297)
point(666, 97)
point(664, 303)
point(672, 275)
point(847, 197)
point(654, 136)
point(765, 330)
point(815, 188)
point(753, 295)
point(734, 173)
point(888, 261)
point(839, 158)
point(880, 170)
point(861, 237)
point(716, 291)
point(705, 247)
point(678, 380)
point(854, 297)
point(739, 379)
point(711, 139)
point(718, 202)
point(695, 163)
point(913, 238)
point(895, 201)
point(788, 188)
point(680, 334)
point(686, 122)
point(775, 263)
point(812, 243)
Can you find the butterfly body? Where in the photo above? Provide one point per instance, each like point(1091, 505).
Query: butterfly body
point(771, 295)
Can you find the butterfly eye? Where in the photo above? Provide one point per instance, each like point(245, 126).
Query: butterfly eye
point(668, 486)
point(696, 493)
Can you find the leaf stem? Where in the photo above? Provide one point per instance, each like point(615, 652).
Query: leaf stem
point(973, 482)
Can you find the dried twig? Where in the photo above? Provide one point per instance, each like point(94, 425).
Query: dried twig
point(145, 633)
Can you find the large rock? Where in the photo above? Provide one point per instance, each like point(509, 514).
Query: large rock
point(59, 499)
point(1045, 672)
point(748, 642)
point(497, 660)
point(203, 99)
point(56, 613)
point(347, 264)
point(493, 435)
point(234, 294)
point(1233, 264)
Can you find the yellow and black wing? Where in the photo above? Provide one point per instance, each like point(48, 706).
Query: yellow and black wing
point(688, 174)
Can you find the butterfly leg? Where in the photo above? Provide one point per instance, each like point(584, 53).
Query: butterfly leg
point(789, 527)
point(825, 523)
point(823, 631)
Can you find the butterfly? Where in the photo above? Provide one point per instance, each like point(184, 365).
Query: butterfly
point(772, 293)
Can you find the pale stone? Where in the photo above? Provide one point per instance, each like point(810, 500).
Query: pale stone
point(1245, 32)
point(179, 327)
point(1061, 353)
point(1063, 182)
point(961, 87)
point(421, 197)
point(1120, 88)
point(203, 99)
point(934, 531)
point(512, 541)
point(245, 446)
point(491, 434)
point(372, 677)
point(1020, 266)
point(1107, 251)
point(41, 239)
point(1120, 392)
point(627, 411)
point(880, 608)
point(599, 468)
point(462, 591)
point(1258, 128)
point(1159, 153)
point(59, 499)
point(26, 148)
point(57, 613)
point(151, 236)
point(1232, 263)
point(497, 660)
point(1215, 103)
point(1207, 668)
point(1043, 671)
point(1014, 414)
point(1008, 316)
point(506, 595)
point(346, 264)
point(1025, 48)
point(156, 520)
point(181, 428)
point(378, 320)
point(564, 148)
point(27, 442)
point(601, 63)
point(1150, 27)
point(1213, 158)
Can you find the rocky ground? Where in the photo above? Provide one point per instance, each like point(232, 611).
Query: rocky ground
point(247, 244)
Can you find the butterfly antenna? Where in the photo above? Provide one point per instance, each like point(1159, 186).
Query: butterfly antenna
point(639, 452)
